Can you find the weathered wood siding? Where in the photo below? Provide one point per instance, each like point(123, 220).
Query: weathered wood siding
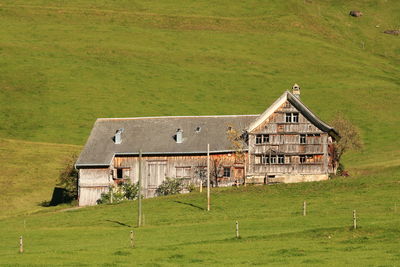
point(307, 156)
point(192, 169)
point(92, 182)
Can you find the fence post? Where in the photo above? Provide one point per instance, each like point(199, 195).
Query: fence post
point(304, 208)
point(354, 219)
point(21, 245)
point(237, 229)
point(132, 239)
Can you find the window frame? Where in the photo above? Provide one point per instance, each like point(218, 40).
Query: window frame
point(227, 170)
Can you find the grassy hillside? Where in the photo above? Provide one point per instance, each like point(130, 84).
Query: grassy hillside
point(29, 174)
point(63, 64)
point(178, 231)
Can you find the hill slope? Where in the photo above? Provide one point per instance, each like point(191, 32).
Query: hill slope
point(178, 231)
point(63, 64)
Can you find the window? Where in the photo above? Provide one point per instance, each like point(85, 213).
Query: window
point(281, 159)
point(227, 172)
point(183, 172)
point(302, 159)
point(303, 139)
point(119, 174)
point(262, 138)
point(265, 159)
point(292, 117)
point(273, 159)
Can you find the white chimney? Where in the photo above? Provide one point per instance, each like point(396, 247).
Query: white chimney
point(296, 90)
point(118, 136)
point(179, 136)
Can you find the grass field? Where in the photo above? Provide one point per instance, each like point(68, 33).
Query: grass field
point(178, 231)
point(65, 63)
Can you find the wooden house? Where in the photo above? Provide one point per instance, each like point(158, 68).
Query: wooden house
point(286, 143)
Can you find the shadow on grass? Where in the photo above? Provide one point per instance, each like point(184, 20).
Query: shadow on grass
point(59, 196)
point(189, 204)
point(119, 223)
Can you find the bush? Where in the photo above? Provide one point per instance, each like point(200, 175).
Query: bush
point(170, 186)
point(190, 187)
point(120, 192)
point(68, 179)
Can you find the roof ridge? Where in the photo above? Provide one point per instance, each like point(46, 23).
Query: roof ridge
point(170, 117)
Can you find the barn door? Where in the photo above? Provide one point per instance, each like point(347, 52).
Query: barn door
point(156, 173)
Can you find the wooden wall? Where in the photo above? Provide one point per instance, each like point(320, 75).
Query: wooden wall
point(309, 157)
point(192, 169)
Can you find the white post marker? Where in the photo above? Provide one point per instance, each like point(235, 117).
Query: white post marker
point(208, 177)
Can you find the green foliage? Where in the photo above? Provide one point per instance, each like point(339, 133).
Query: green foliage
point(120, 192)
point(350, 138)
point(190, 187)
point(68, 179)
point(170, 186)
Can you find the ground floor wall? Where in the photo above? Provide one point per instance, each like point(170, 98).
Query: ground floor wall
point(225, 170)
point(286, 178)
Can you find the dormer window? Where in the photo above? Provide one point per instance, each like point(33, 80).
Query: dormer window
point(292, 117)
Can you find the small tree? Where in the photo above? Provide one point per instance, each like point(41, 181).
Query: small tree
point(68, 179)
point(350, 137)
point(237, 141)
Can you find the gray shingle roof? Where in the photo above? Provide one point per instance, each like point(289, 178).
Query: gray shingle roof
point(156, 135)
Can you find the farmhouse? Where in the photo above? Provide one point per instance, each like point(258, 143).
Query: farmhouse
point(286, 143)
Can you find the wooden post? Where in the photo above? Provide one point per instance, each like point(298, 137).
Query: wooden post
point(139, 222)
point(208, 177)
point(304, 208)
point(21, 245)
point(237, 229)
point(132, 239)
point(354, 219)
point(111, 194)
point(201, 186)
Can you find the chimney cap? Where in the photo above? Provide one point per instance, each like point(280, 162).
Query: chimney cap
point(296, 87)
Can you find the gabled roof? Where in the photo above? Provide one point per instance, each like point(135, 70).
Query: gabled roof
point(287, 96)
point(155, 136)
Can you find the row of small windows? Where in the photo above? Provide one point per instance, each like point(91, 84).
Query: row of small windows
point(265, 138)
point(281, 159)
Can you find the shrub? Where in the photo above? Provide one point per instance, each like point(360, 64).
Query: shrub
point(68, 179)
point(120, 192)
point(170, 186)
point(190, 187)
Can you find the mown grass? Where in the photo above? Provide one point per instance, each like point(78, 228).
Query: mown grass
point(178, 231)
point(64, 64)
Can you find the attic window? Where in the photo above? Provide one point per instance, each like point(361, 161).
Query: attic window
point(198, 129)
point(292, 117)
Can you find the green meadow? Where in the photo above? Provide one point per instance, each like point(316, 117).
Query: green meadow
point(65, 63)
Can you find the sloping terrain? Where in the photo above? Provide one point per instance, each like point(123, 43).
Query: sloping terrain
point(65, 63)
point(178, 231)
